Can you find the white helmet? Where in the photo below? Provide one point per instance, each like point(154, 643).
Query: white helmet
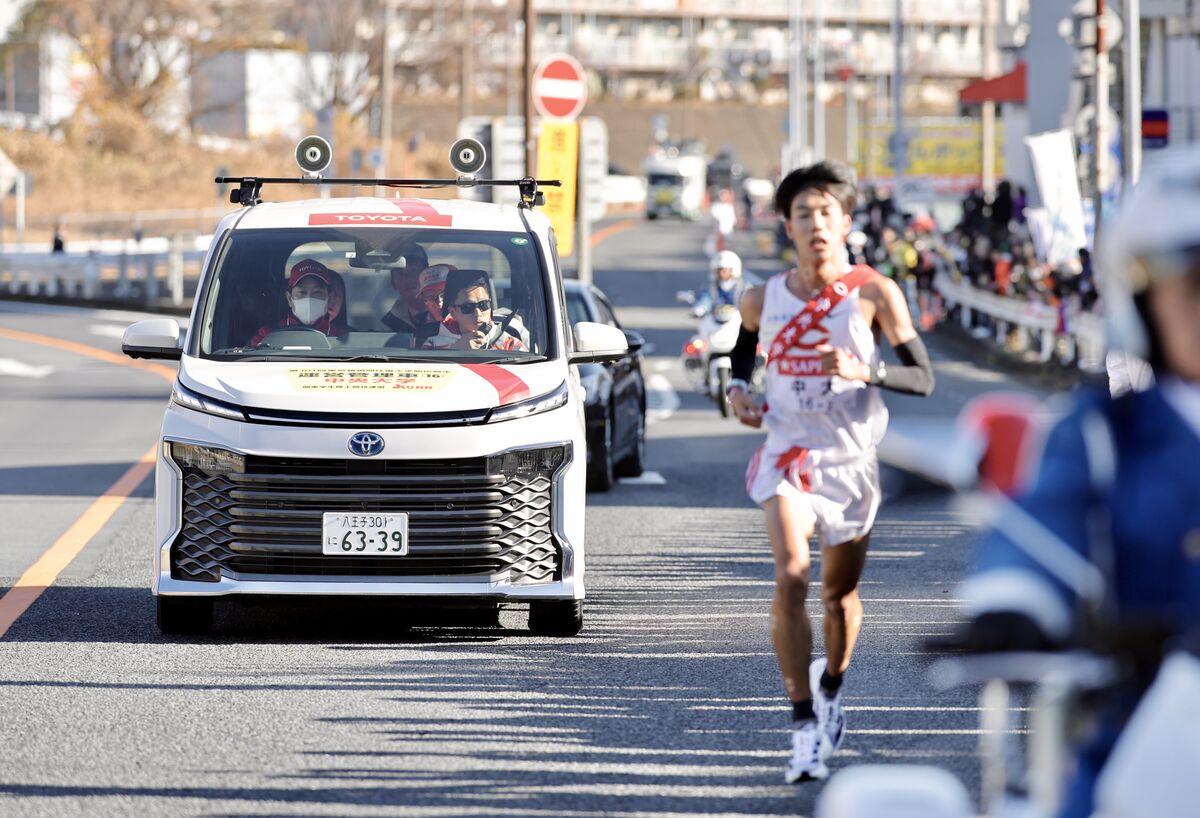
point(727, 259)
point(1153, 234)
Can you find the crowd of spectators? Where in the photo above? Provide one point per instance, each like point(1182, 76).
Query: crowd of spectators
point(991, 248)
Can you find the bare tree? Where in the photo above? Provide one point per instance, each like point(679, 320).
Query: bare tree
point(138, 49)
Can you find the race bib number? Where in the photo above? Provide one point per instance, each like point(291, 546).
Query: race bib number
point(811, 395)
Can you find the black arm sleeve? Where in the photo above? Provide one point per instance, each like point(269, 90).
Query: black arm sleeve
point(915, 377)
point(744, 352)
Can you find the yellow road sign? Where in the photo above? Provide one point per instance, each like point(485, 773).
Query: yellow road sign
point(558, 158)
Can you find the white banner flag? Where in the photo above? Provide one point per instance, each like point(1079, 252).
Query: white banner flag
point(1053, 155)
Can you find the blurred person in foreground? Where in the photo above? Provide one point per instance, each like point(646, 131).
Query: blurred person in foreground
point(1100, 547)
point(817, 472)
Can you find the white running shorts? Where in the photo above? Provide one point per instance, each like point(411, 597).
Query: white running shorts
point(840, 496)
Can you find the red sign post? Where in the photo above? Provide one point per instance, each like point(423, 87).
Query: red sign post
point(559, 87)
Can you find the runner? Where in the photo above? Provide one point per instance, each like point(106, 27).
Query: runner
point(817, 470)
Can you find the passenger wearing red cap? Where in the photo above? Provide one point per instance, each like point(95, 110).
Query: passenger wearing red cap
point(308, 288)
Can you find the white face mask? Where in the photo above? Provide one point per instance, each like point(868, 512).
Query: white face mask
point(309, 310)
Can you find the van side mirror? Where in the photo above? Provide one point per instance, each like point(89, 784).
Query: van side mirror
point(154, 338)
point(597, 343)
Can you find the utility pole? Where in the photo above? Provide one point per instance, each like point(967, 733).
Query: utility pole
point(466, 65)
point(510, 59)
point(1099, 135)
point(797, 87)
point(387, 91)
point(527, 76)
point(818, 80)
point(1133, 92)
point(990, 70)
point(898, 143)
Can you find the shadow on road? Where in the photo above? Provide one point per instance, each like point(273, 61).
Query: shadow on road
point(79, 613)
point(67, 480)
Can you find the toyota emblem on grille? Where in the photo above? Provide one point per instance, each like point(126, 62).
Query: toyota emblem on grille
point(366, 444)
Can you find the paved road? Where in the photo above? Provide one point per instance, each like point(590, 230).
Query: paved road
point(669, 703)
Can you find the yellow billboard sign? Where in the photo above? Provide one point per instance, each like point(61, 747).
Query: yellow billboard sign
point(952, 150)
point(558, 158)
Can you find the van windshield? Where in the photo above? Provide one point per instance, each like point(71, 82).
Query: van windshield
point(376, 293)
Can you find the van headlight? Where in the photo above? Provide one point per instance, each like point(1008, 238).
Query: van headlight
point(527, 462)
point(188, 399)
point(533, 406)
point(206, 458)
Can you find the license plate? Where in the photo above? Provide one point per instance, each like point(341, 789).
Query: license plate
point(364, 535)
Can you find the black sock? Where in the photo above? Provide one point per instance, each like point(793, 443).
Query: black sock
point(829, 683)
point(803, 711)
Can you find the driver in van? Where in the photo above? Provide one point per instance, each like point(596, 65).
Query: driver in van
point(469, 321)
point(308, 288)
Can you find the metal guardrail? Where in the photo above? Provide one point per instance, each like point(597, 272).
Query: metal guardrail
point(137, 277)
point(1035, 324)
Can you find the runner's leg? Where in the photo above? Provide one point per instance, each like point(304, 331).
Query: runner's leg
point(789, 531)
point(841, 569)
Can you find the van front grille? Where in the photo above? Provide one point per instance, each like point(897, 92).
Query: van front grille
point(466, 520)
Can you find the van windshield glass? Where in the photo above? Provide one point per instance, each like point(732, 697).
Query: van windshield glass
point(655, 179)
point(376, 293)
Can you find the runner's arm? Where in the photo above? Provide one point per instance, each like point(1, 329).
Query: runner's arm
point(743, 356)
point(914, 376)
point(745, 350)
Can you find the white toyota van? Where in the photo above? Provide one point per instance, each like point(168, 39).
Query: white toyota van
point(315, 446)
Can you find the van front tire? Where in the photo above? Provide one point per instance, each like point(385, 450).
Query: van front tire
point(556, 617)
point(184, 615)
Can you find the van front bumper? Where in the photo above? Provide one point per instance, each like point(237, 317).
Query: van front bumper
point(503, 525)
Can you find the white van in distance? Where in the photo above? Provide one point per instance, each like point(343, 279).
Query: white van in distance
point(375, 397)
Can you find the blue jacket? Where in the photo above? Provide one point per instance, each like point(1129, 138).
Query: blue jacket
point(1118, 485)
point(1113, 517)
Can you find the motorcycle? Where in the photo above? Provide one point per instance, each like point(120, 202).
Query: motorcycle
point(705, 356)
point(1037, 705)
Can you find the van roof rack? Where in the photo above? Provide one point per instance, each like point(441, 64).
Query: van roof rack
point(249, 190)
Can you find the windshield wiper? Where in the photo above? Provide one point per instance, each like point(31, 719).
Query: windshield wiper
point(516, 359)
point(382, 359)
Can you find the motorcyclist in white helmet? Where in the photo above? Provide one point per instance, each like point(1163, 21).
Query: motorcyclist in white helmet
point(1101, 546)
point(725, 283)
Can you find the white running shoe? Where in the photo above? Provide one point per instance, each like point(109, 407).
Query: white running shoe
point(829, 710)
point(810, 747)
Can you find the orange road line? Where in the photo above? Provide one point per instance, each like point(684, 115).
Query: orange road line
point(611, 230)
point(84, 349)
point(47, 568)
point(42, 574)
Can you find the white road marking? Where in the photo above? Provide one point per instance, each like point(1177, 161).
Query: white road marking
point(107, 330)
point(661, 399)
point(17, 369)
point(646, 478)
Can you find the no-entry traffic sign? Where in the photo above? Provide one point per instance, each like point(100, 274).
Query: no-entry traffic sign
point(559, 87)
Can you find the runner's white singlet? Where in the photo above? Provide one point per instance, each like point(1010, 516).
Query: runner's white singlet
point(813, 410)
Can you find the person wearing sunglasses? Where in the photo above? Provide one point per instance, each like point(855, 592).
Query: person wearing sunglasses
point(469, 321)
